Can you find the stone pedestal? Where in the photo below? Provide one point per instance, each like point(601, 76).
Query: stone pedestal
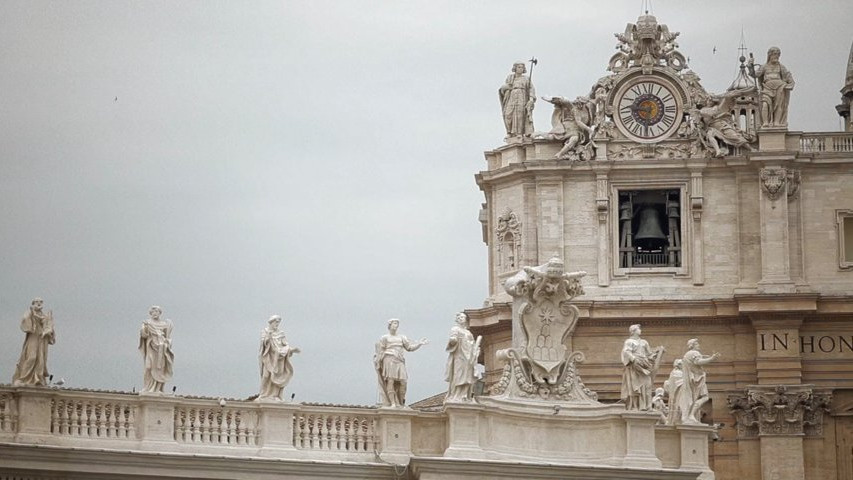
point(640, 439)
point(694, 449)
point(772, 139)
point(463, 430)
point(276, 423)
point(395, 431)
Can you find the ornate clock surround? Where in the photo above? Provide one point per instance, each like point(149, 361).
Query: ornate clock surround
point(648, 108)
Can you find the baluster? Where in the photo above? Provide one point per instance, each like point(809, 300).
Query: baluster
point(337, 425)
point(131, 422)
point(75, 419)
point(121, 429)
point(194, 437)
point(315, 440)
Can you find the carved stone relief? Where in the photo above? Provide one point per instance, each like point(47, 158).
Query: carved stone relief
point(773, 180)
point(779, 410)
point(508, 235)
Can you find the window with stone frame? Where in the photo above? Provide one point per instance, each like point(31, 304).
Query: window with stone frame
point(650, 228)
point(508, 236)
point(845, 238)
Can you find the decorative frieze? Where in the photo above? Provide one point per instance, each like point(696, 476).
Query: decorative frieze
point(779, 410)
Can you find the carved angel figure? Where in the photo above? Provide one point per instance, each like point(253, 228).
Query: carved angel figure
point(274, 361)
point(570, 122)
point(715, 124)
point(39, 333)
point(155, 343)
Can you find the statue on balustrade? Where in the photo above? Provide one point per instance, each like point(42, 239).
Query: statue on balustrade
point(39, 333)
point(517, 97)
point(463, 352)
point(390, 364)
point(694, 389)
point(274, 360)
point(641, 365)
point(776, 83)
point(155, 343)
point(672, 387)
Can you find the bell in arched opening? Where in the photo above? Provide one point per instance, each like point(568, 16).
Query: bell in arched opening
point(649, 234)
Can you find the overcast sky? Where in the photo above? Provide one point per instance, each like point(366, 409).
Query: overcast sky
point(229, 161)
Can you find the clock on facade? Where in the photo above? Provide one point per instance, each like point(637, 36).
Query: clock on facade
point(647, 110)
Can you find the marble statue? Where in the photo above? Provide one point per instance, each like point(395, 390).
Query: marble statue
point(517, 97)
point(776, 83)
point(274, 361)
point(155, 343)
point(693, 393)
point(39, 333)
point(672, 387)
point(659, 404)
point(462, 353)
point(715, 124)
point(390, 364)
point(641, 364)
point(570, 123)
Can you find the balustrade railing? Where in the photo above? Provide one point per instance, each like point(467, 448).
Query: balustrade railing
point(354, 432)
point(216, 426)
point(93, 418)
point(826, 143)
point(8, 414)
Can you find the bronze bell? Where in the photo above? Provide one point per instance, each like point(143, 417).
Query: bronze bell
point(649, 233)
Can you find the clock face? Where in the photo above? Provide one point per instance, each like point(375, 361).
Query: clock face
point(647, 110)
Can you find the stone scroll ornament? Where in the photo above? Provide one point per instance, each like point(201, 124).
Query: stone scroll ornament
point(539, 366)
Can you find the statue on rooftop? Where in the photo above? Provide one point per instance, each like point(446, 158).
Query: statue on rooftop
point(463, 352)
point(39, 333)
point(517, 97)
point(155, 343)
point(571, 124)
point(714, 123)
point(694, 389)
point(390, 364)
point(641, 364)
point(776, 83)
point(274, 361)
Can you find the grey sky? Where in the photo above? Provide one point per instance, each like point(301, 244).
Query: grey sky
point(231, 160)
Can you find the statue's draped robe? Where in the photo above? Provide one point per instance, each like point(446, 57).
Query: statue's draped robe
point(636, 378)
point(157, 353)
point(461, 350)
point(515, 95)
point(274, 360)
point(694, 386)
point(32, 366)
point(773, 79)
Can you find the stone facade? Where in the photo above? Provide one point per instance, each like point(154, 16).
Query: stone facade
point(754, 264)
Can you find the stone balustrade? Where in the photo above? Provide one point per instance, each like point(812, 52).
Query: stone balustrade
point(70, 429)
point(834, 142)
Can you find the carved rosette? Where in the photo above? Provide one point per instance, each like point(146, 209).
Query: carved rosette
point(779, 410)
point(508, 235)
